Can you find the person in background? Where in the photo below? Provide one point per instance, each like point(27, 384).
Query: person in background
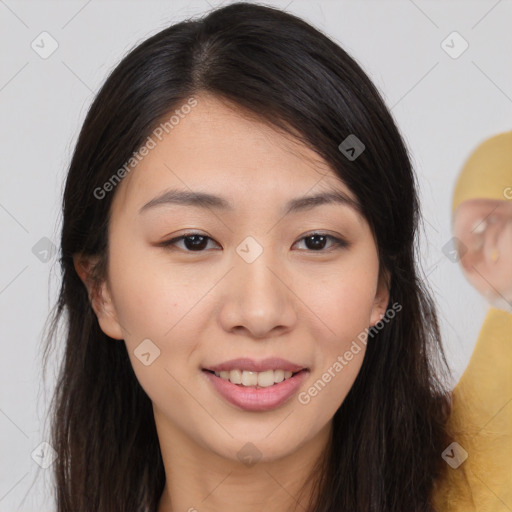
point(478, 474)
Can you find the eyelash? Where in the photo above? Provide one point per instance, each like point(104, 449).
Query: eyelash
point(337, 243)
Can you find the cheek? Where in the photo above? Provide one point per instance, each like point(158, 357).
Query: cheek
point(344, 304)
point(504, 247)
point(338, 357)
point(467, 224)
point(155, 301)
point(343, 297)
point(155, 306)
point(150, 293)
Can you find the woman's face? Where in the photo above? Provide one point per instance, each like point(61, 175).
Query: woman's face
point(253, 287)
point(484, 227)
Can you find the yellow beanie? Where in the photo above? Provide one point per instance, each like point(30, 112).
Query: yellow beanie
point(487, 173)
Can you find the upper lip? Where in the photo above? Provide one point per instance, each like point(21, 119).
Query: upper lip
point(251, 365)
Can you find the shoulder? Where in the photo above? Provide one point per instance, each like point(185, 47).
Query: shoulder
point(478, 471)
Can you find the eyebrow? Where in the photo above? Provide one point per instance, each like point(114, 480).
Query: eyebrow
point(206, 200)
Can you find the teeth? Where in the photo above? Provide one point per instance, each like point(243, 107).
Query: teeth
point(261, 379)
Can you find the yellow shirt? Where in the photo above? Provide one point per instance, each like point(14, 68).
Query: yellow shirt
point(481, 425)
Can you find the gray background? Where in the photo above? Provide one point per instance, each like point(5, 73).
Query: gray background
point(444, 107)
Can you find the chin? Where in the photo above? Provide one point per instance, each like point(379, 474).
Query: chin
point(503, 301)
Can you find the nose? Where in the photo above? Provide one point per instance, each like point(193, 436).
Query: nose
point(257, 298)
point(491, 241)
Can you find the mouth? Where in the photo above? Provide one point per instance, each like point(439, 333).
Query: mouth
point(247, 394)
point(255, 380)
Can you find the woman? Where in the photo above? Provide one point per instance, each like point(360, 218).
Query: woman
point(245, 321)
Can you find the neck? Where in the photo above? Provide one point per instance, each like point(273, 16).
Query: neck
point(198, 480)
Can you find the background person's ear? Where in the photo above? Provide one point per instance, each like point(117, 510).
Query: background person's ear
point(99, 297)
point(381, 300)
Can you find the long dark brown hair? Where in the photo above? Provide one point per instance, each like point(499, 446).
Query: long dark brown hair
point(389, 432)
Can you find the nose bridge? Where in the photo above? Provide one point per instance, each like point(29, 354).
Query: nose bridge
point(253, 274)
point(257, 296)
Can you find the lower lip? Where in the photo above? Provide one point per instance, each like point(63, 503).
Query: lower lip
point(250, 398)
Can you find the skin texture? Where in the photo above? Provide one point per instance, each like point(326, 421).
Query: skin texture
point(484, 227)
point(294, 301)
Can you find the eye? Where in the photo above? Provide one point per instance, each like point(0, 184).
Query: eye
point(197, 242)
point(316, 242)
point(194, 242)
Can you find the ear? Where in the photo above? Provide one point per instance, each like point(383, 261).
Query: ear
point(99, 297)
point(381, 300)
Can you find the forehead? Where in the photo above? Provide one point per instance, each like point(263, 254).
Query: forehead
point(486, 206)
point(219, 148)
